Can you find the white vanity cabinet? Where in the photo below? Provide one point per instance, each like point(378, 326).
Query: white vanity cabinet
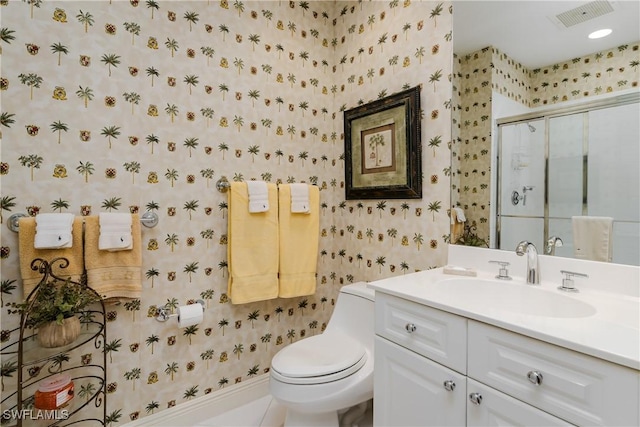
point(501, 378)
point(498, 409)
point(409, 388)
point(581, 389)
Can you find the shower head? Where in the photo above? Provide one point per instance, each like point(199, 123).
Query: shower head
point(531, 128)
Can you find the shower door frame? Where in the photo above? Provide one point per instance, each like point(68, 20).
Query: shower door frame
point(581, 108)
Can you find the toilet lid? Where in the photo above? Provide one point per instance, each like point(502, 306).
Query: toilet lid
point(318, 356)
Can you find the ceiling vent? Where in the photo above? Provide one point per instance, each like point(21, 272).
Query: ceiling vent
point(584, 13)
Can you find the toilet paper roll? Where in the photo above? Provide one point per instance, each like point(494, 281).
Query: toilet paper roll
point(189, 315)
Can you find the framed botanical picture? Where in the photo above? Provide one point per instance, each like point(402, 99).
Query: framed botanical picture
point(382, 148)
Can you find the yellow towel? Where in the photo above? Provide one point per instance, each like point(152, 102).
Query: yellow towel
point(299, 236)
point(27, 252)
point(592, 237)
point(113, 275)
point(252, 249)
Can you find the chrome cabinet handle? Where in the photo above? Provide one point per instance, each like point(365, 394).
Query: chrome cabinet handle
point(535, 377)
point(449, 385)
point(410, 327)
point(475, 398)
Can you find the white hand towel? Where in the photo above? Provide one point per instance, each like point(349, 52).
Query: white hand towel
point(115, 232)
point(53, 231)
point(592, 237)
point(460, 215)
point(258, 196)
point(300, 198)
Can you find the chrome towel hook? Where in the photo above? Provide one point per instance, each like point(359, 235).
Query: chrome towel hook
point(14, 221)
point(149, 219)
point(223, 184)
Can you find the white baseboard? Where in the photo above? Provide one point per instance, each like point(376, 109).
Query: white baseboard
point(197, 410)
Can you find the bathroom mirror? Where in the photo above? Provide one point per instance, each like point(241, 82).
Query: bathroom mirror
point(501, 48)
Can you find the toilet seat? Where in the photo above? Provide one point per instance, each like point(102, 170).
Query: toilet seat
point(319, 359)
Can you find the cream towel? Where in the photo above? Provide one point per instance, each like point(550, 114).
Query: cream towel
point(115, 232)
point(592, 238)
point(299, 238)
point(53, 230)
point(460, 215)
point(457, 224)
point(252, 248)
point(258, 196)
point(113, 275)
point(299, 198)
point(27, 253)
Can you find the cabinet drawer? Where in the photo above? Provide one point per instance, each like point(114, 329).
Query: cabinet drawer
point(438, 335)
point(498, 409)
point(575, 387)
point(410, 390)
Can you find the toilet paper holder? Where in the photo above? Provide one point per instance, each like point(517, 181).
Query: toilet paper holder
point(164, 313)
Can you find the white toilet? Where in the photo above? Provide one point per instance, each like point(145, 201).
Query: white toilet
point(319, 377)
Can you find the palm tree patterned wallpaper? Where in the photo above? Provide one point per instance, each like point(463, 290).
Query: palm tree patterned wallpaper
point(133, 105)
point(488, 70)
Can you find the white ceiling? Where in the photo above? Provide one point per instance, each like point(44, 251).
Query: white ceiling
point(524, 31)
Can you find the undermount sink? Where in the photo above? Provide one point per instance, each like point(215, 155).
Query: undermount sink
point(516, 297)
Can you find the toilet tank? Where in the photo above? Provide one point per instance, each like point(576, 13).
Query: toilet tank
point(353, 313)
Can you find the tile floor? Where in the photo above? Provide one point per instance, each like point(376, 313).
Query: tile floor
point(262, 412)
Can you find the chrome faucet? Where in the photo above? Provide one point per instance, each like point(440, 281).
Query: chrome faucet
point(533, 268)
point(552, 243)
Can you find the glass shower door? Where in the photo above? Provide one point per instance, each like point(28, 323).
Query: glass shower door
point(521, 176)
point(614, 176)
point(566, 184)
point(584, 163)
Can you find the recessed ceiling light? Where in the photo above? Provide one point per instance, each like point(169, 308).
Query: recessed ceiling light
point(600, 33)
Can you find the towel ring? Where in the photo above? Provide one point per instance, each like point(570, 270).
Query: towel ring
point(223, 184)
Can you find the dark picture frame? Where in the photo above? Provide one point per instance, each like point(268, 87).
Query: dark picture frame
point(383, 148)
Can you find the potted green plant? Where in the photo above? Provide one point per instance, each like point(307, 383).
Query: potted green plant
point(52, 310)
point(470, 238)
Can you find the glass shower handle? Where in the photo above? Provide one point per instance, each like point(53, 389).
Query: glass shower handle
point(516, 197)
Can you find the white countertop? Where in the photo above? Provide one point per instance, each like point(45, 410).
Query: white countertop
point(609, 330)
